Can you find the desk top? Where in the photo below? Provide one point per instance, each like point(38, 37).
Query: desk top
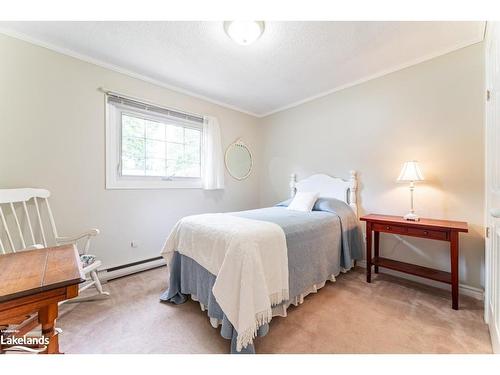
point(459, 226)
point(30, 272)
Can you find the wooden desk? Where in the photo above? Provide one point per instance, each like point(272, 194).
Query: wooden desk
point(35, 281)
point(441, 230)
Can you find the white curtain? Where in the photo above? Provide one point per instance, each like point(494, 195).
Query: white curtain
point(213, 171)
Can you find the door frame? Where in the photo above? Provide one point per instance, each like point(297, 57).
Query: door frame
point(492, 279)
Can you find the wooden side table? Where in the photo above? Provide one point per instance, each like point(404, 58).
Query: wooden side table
point(441, 230)
point(35, 281)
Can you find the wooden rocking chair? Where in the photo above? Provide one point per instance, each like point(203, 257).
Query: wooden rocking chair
point(18, 204)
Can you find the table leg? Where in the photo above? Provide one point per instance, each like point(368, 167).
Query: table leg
point(376, 247)
point(47, 318)
point(454, 269)
point(368, 252)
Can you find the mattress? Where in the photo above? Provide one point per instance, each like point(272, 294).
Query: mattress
point(320, 244)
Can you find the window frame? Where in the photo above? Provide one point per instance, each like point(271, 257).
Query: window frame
point(114, 178)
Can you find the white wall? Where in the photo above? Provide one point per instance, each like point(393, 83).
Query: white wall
point(52, 127)
point(52, 136)
point(431, 112)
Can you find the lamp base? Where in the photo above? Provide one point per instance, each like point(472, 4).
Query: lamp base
point(411, 217)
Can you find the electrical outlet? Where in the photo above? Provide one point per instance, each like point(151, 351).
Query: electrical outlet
point(133, 244)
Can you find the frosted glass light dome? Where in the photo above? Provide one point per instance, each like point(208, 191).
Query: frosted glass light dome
point(244, 32)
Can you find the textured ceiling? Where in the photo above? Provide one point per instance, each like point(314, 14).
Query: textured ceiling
point(292, 61)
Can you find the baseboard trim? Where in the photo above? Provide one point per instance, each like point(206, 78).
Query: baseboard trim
point(464, 289)
point(116, 272)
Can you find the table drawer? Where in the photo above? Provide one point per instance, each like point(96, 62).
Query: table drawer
point(428, 233)
point(389, 228)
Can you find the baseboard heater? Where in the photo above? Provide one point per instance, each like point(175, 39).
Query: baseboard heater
point(131, 268)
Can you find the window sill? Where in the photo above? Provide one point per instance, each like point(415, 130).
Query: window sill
point(154, 184)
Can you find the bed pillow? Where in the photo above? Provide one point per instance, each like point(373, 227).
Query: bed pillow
point(303, 201)
point(284, 203)
point(322, 204)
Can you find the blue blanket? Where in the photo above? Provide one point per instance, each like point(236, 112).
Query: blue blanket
point(319, 243)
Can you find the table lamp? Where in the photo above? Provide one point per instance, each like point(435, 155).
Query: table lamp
point(411, 173)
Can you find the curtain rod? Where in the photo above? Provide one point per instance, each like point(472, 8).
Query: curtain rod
point(126, 96)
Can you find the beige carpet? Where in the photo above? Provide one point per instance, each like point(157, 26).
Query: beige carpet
point(391, 315)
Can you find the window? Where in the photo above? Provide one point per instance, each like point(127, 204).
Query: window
point(162, 149)
point(152, 147)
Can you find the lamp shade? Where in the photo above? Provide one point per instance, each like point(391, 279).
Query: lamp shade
point(410, 172)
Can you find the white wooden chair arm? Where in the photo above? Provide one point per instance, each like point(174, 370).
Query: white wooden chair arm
point(82, 236)
point(86, 234)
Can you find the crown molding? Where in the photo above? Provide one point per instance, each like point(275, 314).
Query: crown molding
point(478, 39)
point(118, 69)
point(68, 52)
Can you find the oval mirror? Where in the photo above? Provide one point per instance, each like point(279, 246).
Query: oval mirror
point(238, 160)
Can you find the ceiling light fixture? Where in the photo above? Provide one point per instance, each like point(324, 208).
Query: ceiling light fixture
point(244, 32)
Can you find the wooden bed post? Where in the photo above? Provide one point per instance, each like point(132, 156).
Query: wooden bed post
point(293, 181)
point(353, 187)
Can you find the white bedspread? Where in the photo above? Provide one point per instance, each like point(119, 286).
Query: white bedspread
point(249, 259)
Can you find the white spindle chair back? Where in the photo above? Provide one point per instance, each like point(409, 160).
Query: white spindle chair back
point(19, 228)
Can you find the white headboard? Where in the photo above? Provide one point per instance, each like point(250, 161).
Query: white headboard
point(328, 187)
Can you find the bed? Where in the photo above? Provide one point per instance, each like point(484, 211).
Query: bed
point(246, 267)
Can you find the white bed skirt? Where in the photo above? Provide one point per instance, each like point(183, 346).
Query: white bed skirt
point(280, 310)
